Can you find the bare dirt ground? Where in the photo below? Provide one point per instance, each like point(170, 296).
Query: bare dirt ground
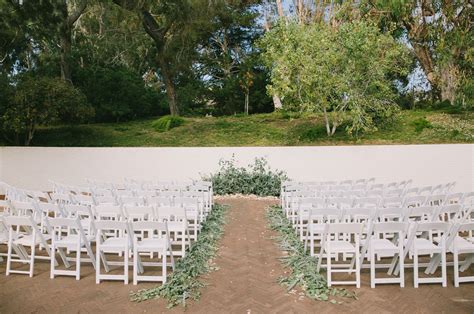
point(244, 283)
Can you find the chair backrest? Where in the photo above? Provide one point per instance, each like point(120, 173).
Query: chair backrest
point(133, 212)
point(453, 212)
point(72, 223)
point(465, 227)
point(105, 199)
point(131, 200)
point(340, 202)
point(425, 191)
point(23, 208)
point(111, 225)
point(374, 193)
point(359, 214)
point(435, 200)
point(442, 227)
point(48, 208)
point(454, 198)
point(73, 210)
point(392, 201)
point(394, 192)
point(102, 192)
point(149, 225)
point(349, 228)
point(322, 215)
point(414, 201)
point(392, 227)
point(159, 201)
point(83, 199)
point(170, 213)
point(61, 198)
point(420, 213)
point(108, 211)
point(411, 192)
point(367, 202)
point(23, 221)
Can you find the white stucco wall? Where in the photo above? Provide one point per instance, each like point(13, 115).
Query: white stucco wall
point(33, 167)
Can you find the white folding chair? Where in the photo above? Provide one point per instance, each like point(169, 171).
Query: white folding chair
point(383, 247)
point(334, 245)
point(26, 234)
point(461, 245)
point(75, 240)
point(177, 227)
point(117, 241)
point(419, 243)
point(156, 241)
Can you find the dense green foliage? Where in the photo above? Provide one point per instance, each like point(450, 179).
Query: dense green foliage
point(344, 72)
point(350, 61)
point(185, 282)
point(38, 101)
point(302, 266)
point(257, 178)
point(167, 123)
point(275, 129)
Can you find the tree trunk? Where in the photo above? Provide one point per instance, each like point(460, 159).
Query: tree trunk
point(276, 100)
point(246, 102)
point(326, 120)
point(170, 87)
point(66, 54)
point(448, 82)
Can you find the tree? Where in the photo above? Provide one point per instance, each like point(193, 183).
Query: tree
point(41, 101)
point(440, 33)
point(70, 13)
point(342, 71)
point(175, 28)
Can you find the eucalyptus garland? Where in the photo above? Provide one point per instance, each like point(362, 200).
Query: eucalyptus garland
point(303, 266)
point(184, 283)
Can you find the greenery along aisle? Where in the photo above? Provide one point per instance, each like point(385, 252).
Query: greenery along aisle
point(184, 282)
point(302, 265)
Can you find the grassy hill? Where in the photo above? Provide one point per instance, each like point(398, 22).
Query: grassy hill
point(275, 129)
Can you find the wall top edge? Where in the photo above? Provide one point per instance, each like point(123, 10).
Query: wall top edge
point(228, 147)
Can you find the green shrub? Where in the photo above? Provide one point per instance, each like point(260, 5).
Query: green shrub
point(257, 179)
point(420, 124)
point(167, 123)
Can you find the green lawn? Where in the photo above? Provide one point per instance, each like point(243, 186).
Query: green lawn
point(276, 129)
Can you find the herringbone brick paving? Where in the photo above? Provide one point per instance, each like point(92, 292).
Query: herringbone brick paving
point(245, 283)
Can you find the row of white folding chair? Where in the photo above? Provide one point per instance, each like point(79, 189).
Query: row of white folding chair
point(433, 200)
point(139, 236)
point(67, 233)
point(311, 221)
point(414, 243)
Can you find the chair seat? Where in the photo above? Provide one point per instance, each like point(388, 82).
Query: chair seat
point(383, 245)
point(70, 241)
point(152, 244)
point(114, 244)
point(341, 246)
point(463, 244)
point(425, 245)
point(28, 240)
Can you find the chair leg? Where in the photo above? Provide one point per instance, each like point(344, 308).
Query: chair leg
point(456, 268)
point(372, 268)
point(97, 264)
point(135, 265)
point(164, 270)
point(52, 267)
point(415, 269)
point(357, 267)
point(32, 259)
point(443, 268)
point(78, 260)
point(125, 256)
point(9, 253)
point(328, 267)
point(402, 270)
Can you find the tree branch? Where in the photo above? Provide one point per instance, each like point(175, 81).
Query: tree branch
point(72, 18)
